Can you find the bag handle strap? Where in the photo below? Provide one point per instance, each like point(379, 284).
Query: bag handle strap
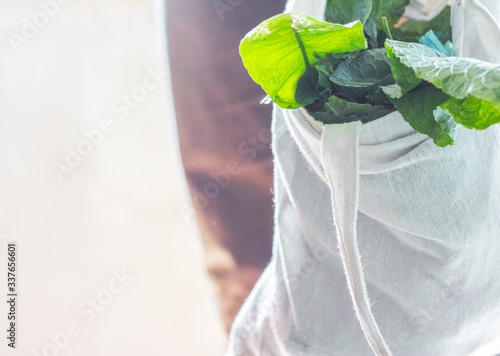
point(340, 160)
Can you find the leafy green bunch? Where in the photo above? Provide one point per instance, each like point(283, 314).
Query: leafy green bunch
point(359, 65)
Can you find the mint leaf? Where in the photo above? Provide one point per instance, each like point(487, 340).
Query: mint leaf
point(279, 50)
point(474, 84)
point(421, 109)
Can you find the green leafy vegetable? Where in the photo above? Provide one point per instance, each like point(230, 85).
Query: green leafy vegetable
point(404, 76)
point(473, 113)
point(387, 28)
point(305, 91)
point(280, 50)
point(359, 77)
point(421, 110)
point(365, 69)
point(342, 11)
point(328, 69)
point(413, 30)
point(392, 10)
point(368, 12)
point(470, 82)
point(341, 111)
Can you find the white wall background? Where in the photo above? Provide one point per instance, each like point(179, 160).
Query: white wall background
point(118, 209)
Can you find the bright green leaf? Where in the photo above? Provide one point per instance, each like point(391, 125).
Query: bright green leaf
point(279, 50)
point(472, 112)
point(458, 77)
point(474, 85)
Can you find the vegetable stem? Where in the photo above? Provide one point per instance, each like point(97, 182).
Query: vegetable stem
point(302, 49)
point(386, 27)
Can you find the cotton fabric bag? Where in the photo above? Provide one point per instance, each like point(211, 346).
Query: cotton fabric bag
point(384, 243)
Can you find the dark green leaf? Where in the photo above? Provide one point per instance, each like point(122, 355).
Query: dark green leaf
point(327, 65)
point(413, 30)
point(342, 11)
point(391, 9)
point(367, 68)
point(306, 92)
point(378, 97)
point(323, 76)
point(474, 84)
point(421, 110)
point(338, 110)
point(370, 94)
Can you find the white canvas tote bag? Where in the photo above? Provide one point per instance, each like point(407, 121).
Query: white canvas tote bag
point(384, 243)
